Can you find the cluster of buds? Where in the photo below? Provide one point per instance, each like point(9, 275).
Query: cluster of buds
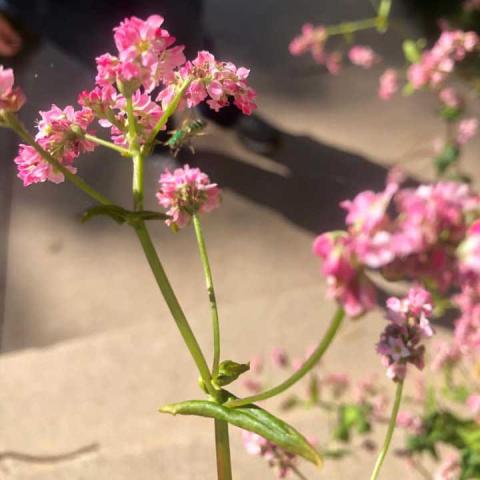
point(147, 60)
point(282, 461)
point(313, 39)
point(400, 342)
point(61, 133)
point(185, 192)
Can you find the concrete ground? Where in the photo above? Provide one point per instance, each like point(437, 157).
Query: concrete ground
point(89, 349)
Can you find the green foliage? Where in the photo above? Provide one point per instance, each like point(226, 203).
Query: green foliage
point(447, 157)
point(229, 371)
point(253, 419)
point(121, 215)
point(412, 51)
point(442, 427)
point(352, 417)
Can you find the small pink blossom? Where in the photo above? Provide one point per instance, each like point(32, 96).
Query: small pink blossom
point(279, 357)
point(410, 422)
point(450, 98)
point(400, 341)
point(388, 85)
point(363, 56)
point(450, 469)
point(467, 128)
point(473, 403)
point(185, 192)
point(311, 39)
point(11, 98)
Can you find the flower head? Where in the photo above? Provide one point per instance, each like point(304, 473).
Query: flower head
point(363, 56)
point(388, 85)
point(400, 342)
point(11, 98)
point(185, 192)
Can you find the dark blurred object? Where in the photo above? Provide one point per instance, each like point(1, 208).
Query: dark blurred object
point(454, 12)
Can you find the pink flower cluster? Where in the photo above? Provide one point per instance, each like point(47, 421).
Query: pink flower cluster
point(400, 342)
point(185, 192)
point(217, 82)
point(437, 63)
point(276, 457)
point(313, 39)
point(417, 241)
point(11, 98)
point(388, 84)
point(60, 134)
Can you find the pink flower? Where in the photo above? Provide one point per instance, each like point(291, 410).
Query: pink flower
point(467, 129)
point(311, 38)
point(473, 403)
point(345, 278)
point(338, 382)
point(363, 56)
point(214, 82)
point(469, 249)
point(450, 469)
point(11, 98)
point(410, 422)
point(32, 168)
point(450, 98)
point(388, 84)
point(400, 341)
point(185, 192)
point(279, 357)
point(445, 355)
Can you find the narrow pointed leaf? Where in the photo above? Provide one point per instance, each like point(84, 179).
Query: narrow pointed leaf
point(115, 212)
point(253, 419)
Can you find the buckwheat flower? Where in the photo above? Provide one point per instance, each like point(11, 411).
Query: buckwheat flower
point(282, 461)
point(467, 326)
point(467, 128)
point(410, 422)
point(311, 39)
point(469, 249)
point(450, 469)
point(473, 404)
point(400, 342)
point(450, 98)
point(185, 192)
point(279, 357)
point(333, 62)
point(346, 281)
point(363, 56)
point(388, 84)
point(32, 168)
point(217, 83)
point(11, 98)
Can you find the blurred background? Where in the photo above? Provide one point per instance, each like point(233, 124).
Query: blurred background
point(88, 350)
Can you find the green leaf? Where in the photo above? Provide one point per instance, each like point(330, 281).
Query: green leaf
point(229, 371)
point(446, 158)
point(115, 212)
point(253, 419)
point(351, 417)
point(411, 51)
point(408, 90)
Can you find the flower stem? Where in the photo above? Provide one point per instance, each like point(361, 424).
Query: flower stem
point(105, 143)
point(222, 446)
point(137, 156)
point(391, 428)
point(166, 115)
point(352, 27)
point(174, 306)
point(302, 371)
point(17, 126)
point(211, 292)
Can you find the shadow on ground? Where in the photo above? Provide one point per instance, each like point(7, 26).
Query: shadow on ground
point(318, 177)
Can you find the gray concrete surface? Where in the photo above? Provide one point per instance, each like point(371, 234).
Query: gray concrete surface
point(89, 349)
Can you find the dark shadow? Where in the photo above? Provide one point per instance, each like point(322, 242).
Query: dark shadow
point(318, 177)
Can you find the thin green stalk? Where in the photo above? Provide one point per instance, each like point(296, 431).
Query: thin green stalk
point(174, 306)
point(211, 292)
point(302, 371)
point(137, 156)
point(222, 446)
point(166, 115)
point(390, 430)
point(14, 123)
point(105, 143)
point(352, 27)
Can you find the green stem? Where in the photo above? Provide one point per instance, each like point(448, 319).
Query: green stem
point(391, 429)
point(137, 156)
point(352, 27)
point(166, 115)
point(105, 143)
point(211, 293)
point(14, 123)
point(222, 446)
point(174, 306)
point(302, 371)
